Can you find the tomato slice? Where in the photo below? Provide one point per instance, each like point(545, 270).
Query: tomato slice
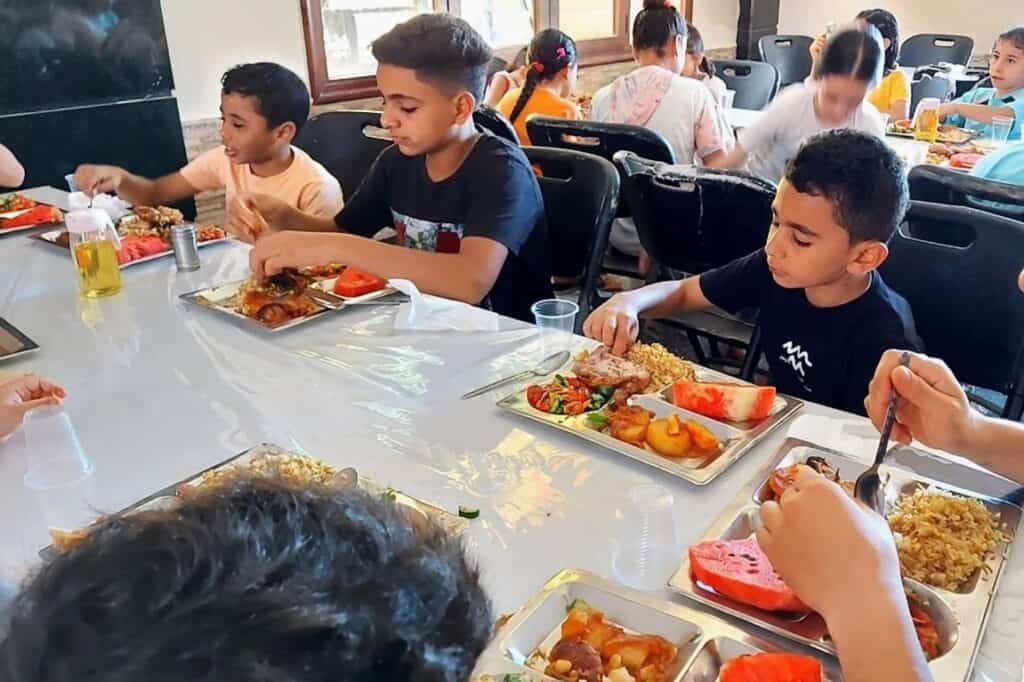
point(772, 668)
point(40, 215)
point(739, 569)
point(352, 283)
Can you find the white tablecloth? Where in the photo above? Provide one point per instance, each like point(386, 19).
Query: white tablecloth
point(159, 391)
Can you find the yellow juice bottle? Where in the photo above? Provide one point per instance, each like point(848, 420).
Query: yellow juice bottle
point(94, 244)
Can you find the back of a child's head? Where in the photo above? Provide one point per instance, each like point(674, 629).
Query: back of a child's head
point(658, 23)
point(549, 52)
point(1015, 37)
point(279, 94)
point(257, 580)
point(887, 25)
point(861, 175)
point(695, 45)
point(443, 50)
point(853, 52)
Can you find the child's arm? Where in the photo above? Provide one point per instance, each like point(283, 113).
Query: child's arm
point(135, 189)
point(616, 324)
point(976, 112)
point(465, 276)
point(12, 173)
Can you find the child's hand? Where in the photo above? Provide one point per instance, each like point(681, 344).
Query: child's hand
point(98, 179)
point(20, 395)
point(932, 407)
point(949, 109)
point(616, 324)
point(817, 47)
point(276, 252)
point(251, 216)
point(831, 550)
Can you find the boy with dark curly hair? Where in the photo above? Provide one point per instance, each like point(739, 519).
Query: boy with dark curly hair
point(256, 580)
point(826, 316)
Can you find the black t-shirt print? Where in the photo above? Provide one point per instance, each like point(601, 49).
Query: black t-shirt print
point(824, 355)
point(494, 194)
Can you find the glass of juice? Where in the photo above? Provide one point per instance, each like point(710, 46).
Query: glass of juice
point(926, 120)
point(94, 243)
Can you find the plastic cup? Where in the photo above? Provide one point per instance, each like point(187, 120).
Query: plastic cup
point(72, 185)
point(728, 99)
point(647, 553)
point(1001, 126)
point(59, 474)
point(556, 320)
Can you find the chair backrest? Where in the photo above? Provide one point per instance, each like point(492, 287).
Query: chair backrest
point(600, 139)
point(925, 49)
point(966, 302)
point(789, 54)
point(755, 83)
point(491, 120)
point(581, 193)
point(946, 186)
point(694, 219)
point(928, 86)
point(341, 142)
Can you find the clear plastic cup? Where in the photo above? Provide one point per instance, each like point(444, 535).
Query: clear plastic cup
point(1001, 126)
point(647, 553)
point(59, 475)
point(556, 320)
point(72, 185)
point(728, 99)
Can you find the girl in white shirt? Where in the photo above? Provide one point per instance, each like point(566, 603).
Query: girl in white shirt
point(698, 66)
point(834, 97)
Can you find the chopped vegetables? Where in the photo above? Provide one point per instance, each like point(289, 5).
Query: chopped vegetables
point(468, 512)
point(567, 395)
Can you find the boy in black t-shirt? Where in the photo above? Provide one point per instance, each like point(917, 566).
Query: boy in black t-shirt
point(465, 202)
point(825, 313)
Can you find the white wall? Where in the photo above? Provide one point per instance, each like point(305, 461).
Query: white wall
point(207, 37)
point(982, 20)
point(717, 20)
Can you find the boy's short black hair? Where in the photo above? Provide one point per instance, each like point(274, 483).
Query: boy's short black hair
point(280, 94)
point(257, 580)
point(861, 175)
point(1015, 36)
point(445, 51)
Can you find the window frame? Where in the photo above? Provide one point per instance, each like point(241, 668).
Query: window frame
point(325, 90)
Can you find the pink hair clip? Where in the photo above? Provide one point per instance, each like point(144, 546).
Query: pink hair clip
point(538, 67)
point(560, 53)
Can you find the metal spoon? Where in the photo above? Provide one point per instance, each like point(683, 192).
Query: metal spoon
point(550, 364)
point(346, 478)
point(868, 487)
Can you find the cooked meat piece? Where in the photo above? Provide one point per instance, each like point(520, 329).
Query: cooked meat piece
point(585, 661)
point(600, 368)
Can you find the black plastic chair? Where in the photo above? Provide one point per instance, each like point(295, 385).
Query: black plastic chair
point(492, 120)
point(966, 303)
point(581, 193)
point(604, 140)
point(755, 83)
point(691, 220)
point(925, 49)
point(346, 143)
point(928, 86)
point(946, 186)
point(789, 54)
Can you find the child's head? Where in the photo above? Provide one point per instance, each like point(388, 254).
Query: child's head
point(256, 580)
point(432, 71)
point(1006, 64)
point(263, 107)
point(697, 62)
point(885, 22)
point(659, 32)
point(843, 196)
point(551, 60)
point(850, 65)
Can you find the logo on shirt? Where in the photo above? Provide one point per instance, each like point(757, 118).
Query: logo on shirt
point(424, 235)
point(796, 357)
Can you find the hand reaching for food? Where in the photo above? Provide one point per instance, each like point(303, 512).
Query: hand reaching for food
point(18, 396)
point(616, 324)
point(274, 253)
point(93, 179)
point(932, 406)
point(251, 216)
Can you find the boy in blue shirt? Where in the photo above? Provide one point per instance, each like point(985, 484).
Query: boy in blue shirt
point(976, 109)
point(1004, 165)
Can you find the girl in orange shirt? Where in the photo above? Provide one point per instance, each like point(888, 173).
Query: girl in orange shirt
point(551, 71)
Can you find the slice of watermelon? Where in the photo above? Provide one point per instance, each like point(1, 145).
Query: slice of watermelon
point(40, 215)
point(739, 569)
point(965, 161)
point(731, 402)
point(772, 668)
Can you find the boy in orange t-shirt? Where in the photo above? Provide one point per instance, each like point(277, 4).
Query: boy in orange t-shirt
point(263, 107)
point(550, 78)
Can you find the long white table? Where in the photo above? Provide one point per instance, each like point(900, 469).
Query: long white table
point(159, 391)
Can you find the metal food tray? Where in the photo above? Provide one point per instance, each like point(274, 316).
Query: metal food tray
point(960, 617)
point(737, 439)
point(220, 299)
point(25, 228)
point(163, 498)
point(8, 333)
point(705, 641)
point(51, 236)
point(963, 135)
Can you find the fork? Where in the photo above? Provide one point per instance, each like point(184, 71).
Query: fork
point(868, 486)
